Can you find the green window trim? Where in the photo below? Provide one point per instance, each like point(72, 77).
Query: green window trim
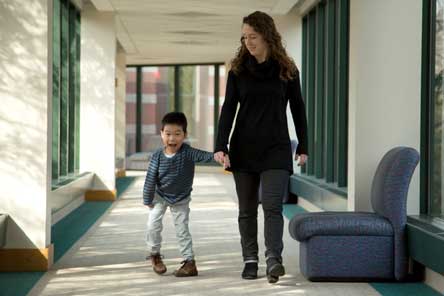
point(55, 88)
point(65, 91)
point(304, 68)
point(426, 241)
point(319, 92)
point(77, 95)
point(326, 196)
point(325, 31)
point(425, 233)
point(310, 90)
point(329, 93)
point(342, 99)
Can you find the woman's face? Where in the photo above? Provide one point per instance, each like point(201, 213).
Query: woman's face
point(254, 42)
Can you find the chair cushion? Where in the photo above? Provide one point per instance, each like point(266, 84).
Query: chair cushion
point(305, 225)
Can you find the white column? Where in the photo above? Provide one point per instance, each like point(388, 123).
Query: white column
point(98, 102)
point(384, 90)
point(25, 114)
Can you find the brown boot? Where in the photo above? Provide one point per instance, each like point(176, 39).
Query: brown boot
point(188, 268)
point(157, 263)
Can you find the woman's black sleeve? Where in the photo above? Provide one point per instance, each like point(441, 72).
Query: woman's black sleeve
point(227, 114)
point(297, 108)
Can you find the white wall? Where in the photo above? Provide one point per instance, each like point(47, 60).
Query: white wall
point(97, 115)
point(384, 90)
point(25, 114)
point(120, 106)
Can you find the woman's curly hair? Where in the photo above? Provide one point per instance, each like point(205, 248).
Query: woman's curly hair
point(263, 24)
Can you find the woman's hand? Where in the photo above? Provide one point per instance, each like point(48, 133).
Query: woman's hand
point(227, 163)
point(302, 159)
point(222, 158)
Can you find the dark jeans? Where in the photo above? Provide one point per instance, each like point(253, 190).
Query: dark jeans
point(274, 183)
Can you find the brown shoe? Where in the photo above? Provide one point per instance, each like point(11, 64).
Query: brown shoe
point(157, 263)
point(188, 268)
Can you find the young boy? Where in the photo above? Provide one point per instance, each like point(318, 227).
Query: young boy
point(168, 183)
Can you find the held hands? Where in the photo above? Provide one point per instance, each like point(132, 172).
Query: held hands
point(302, 158)
point(222, 158)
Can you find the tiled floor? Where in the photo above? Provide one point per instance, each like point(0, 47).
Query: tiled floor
point(109, 259)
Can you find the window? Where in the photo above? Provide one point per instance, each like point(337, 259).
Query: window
point(325, 89)
point(65, 90)
point(153, 91)
point(432, 114)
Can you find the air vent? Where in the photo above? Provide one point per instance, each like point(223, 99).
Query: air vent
point(192, 14)
point(190, 32)
point(190, 42)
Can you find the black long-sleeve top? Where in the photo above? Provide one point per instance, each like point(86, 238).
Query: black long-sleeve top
point(260, 140)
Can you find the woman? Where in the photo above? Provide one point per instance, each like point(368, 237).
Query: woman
point(262, 80)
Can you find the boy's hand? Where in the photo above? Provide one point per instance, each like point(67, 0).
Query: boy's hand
point(219, 157)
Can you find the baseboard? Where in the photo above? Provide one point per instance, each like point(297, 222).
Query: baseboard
point(66, 210)
point(302, 202)
point(14, 260)
point(101, 195)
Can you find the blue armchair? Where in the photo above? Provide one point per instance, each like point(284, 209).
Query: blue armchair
point(361, 245)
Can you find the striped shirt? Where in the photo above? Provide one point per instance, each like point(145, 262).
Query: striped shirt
point(172, 177)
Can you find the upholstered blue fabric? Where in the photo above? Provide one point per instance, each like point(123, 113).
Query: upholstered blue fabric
point(347, 257)
point(306, 225)
point(357, 245)
point(389, 197)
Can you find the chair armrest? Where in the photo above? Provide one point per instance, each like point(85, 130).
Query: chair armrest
point(305, 225)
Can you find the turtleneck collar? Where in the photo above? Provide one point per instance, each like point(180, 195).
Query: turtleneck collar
point(264, 70)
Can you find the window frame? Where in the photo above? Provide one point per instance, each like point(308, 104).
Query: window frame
point(325, 90)
point(65, 131)
point(177, 95)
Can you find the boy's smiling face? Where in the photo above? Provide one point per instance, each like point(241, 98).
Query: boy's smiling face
point(172, 137)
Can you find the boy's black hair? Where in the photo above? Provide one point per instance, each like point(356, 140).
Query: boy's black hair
point(177, 118)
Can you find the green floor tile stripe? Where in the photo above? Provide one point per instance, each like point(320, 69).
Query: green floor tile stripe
point(385, 289)
point(64, 234)
point(123, 183)
point(405, 289)
point(68, 230)
point(292, 209)
point(18, 283)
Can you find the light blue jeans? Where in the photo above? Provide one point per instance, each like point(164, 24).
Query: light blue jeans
point(180, 212)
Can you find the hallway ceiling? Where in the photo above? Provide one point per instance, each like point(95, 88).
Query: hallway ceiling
point(183, 31)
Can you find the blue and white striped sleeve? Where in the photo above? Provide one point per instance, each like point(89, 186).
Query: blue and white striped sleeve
point(197, 155)
point(150, 180)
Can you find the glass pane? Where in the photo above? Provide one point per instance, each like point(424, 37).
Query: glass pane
point(64, 89)
point(55, 89)
point(130, 110)
point(436, 204)
point(196, 96)
point(77, 95)
point(157, 100)
point(72, 55)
